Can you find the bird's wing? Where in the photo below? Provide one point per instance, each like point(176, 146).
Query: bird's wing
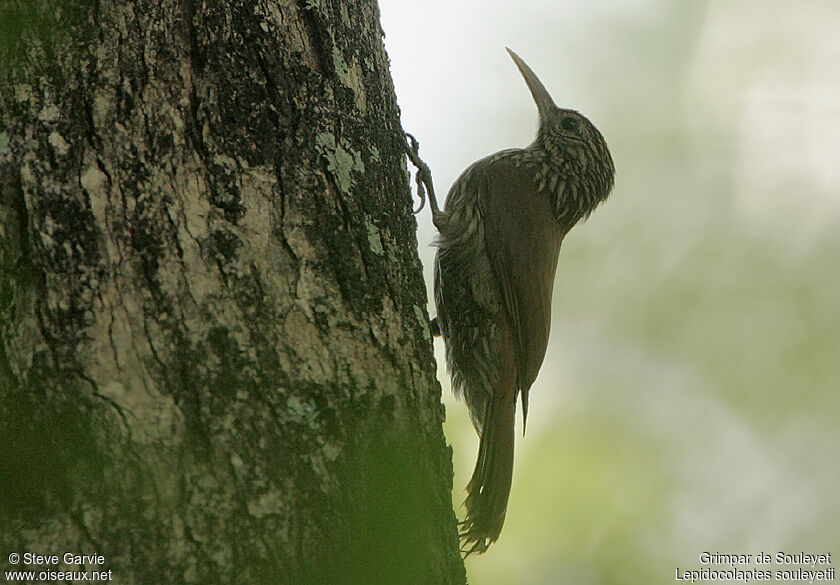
point(522, 241)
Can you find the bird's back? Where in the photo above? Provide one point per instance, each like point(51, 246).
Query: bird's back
point(495, 271)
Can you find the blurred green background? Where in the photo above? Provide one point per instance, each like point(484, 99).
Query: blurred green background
point(689, 397)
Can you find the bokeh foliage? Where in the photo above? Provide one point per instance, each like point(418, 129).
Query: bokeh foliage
point(689, 397)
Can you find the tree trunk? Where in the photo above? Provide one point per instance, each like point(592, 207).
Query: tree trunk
point(215, 364)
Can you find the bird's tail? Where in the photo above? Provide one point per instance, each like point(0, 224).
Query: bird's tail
point(489, 488)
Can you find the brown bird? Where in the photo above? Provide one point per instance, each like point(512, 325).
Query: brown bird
point(500, 234)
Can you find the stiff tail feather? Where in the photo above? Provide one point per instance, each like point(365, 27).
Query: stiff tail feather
point(489, 488)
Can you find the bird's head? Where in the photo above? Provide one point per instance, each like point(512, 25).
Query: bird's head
point(569, 135)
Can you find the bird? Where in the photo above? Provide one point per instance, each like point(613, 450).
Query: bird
point(500, 232)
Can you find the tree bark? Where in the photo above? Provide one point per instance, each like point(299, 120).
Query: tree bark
point(215, 362)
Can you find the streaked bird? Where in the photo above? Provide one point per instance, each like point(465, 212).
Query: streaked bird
point(500, 234)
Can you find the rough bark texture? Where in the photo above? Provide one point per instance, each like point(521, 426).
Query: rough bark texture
point(215, 365)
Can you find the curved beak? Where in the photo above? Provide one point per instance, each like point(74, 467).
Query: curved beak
point(544, 102)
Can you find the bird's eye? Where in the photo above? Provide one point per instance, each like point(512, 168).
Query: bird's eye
point(569, 123)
